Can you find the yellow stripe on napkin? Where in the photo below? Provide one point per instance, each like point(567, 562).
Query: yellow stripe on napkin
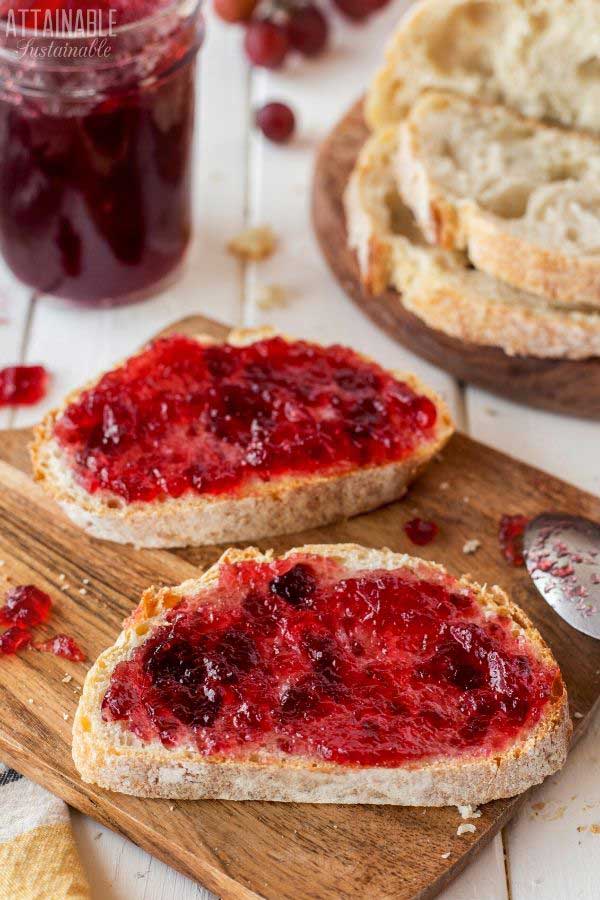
point(41, 864)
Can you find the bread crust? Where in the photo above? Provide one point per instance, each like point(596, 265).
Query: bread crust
point(437, 285)
point(107, 755)
point(280, 506)
point(502, 51)
point(491, 245)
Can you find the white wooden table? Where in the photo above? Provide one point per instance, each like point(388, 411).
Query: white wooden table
point(242, 179)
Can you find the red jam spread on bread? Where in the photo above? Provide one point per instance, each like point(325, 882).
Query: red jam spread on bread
point(22, 385)
point(182, 418)
point(510, 536)
point(302, 657)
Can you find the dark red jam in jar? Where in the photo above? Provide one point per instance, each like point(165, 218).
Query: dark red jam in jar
point(303, 657)
point(96, 142)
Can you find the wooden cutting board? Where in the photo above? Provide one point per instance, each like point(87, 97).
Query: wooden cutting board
point(244, 850)
point(565, 386)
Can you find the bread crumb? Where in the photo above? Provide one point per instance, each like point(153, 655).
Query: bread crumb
point(446, 855)
point(270, 296)
point(85, 580)
point(466, 828)
point(2, 562)
point(256, 243)
point(65, 587)
point(468, 812)
point(595, 829)
point(444, 486)
point(30, 701)
point(577, 715)
point(171, 807)
point(67, 679)
point(471, 546)
point(62, 576)
point(82, 591)
point(65, 716)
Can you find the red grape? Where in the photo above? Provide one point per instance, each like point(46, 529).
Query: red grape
point(235, 10)
point(276, 121)
point(266, 43)
point(308, 29)
point(354, 9)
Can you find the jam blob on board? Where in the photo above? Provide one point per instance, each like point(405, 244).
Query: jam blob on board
point(302, 657)
point(23, 385)
point(14, 639)
point(25, 606)
point(62, 645)
point(421, 531)
point(510, 537)
point(183, 417)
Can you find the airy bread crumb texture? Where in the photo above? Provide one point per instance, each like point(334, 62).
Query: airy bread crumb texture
point(440, 286)
point(520, 197)
point(539, 57)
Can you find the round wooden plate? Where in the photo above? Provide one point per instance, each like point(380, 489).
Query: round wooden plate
point(565, 386)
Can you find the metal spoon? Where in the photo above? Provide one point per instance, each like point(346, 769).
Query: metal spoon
point(562, 555)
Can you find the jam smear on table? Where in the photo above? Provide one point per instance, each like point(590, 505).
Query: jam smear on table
point(303, 657)
point(26, 606)
point(22, 385)
point(421, 531)
point(182, 417)
point(62, 645)
point(14, 639)
point(510, 536)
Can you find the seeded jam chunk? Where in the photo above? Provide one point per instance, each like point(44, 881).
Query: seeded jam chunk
point(186, 418)
point(301, 656)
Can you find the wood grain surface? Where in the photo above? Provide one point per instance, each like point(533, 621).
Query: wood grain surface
point(244, 850)
point(566, 386)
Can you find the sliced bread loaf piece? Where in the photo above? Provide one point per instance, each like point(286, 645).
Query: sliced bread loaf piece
point(522, 198)
point(540, 57)
point(195, 442)
point(440, 286)
point(332, 674)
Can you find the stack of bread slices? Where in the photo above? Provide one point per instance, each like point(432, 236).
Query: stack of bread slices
point(477, 194)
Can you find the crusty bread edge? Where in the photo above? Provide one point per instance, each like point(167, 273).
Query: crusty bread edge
point(281, 506)
point(551, 275)
point(153, 771)
point(542, 331)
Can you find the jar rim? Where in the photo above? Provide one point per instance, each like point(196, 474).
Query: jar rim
point(174, 6)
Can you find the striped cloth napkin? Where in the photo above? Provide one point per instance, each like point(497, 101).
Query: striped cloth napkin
point(38, 857)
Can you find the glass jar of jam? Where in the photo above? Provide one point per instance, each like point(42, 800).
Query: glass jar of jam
point(96, 119)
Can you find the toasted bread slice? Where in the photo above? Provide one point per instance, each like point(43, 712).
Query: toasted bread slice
point(521, 198)
point(539, 57)
point(332, 674)
point(256, 505)
point(440, 286)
